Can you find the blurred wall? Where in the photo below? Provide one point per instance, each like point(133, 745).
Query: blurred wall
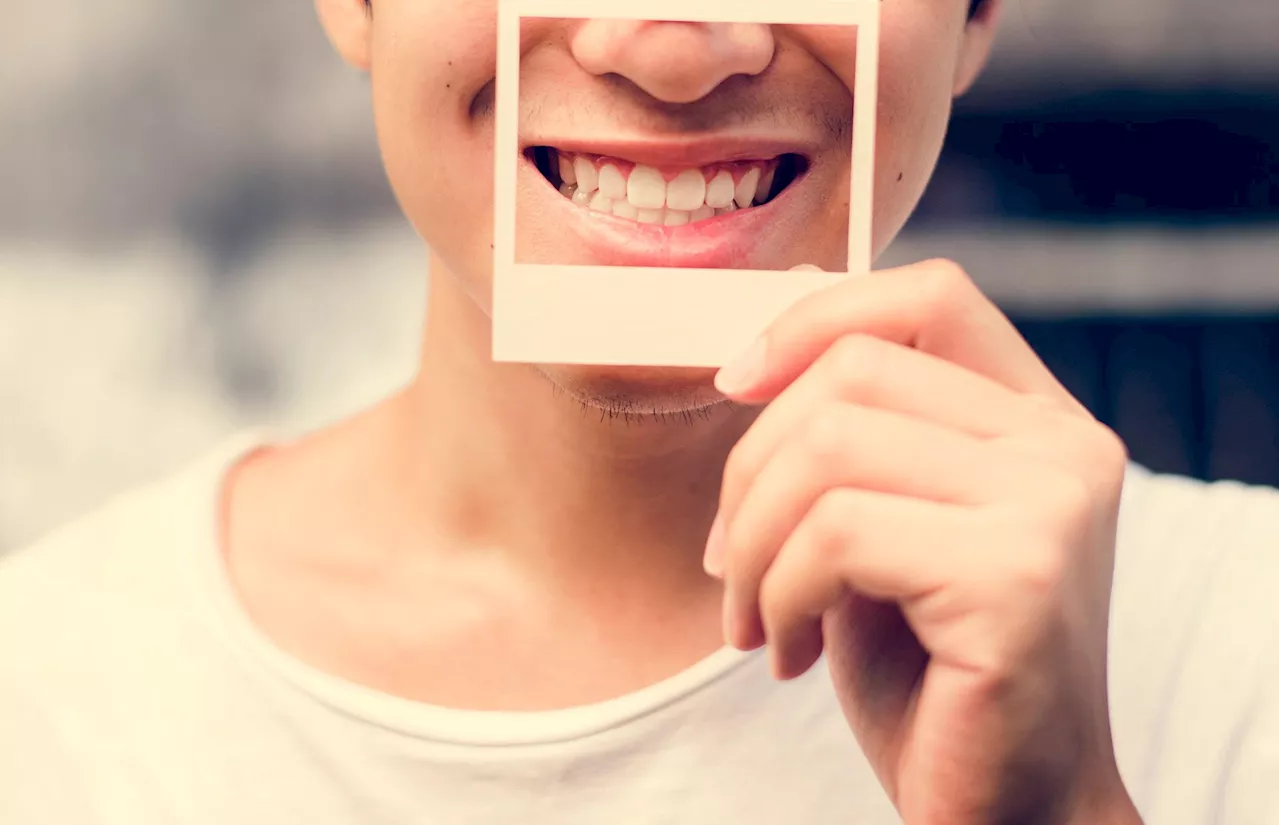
point(1113, 184)
point(195, 234)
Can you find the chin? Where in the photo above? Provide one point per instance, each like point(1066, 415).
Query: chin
point(637, 391)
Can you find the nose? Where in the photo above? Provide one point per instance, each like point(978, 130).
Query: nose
point(672, 61)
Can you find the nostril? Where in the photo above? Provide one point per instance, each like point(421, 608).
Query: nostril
point(673, 62)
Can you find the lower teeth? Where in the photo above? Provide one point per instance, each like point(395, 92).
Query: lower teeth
point(597, 202)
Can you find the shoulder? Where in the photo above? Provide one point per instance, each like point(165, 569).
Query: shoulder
point(1194, 552)
point(123, 572)
point(1178, 537)
point(1167, 506)
point(86, 560)
point(1193, 645)
point(103, 628)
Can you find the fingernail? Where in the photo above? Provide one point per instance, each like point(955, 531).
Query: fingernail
point(806, 268)
point(740, 375)
point(713, 556)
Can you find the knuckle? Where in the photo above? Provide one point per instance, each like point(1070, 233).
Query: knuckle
point(1044, 531)
point(1081, 442)
point(827, 434)
point(945, 282)
point(1111, 452)
point(1034, 562)
point(857, 364)
point(946, 269)
point(774, 600)
point(830, 527)
point(1070, 496)
point(1042, 569)
point(1107, 459)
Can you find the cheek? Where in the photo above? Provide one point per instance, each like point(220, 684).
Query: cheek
point(916, 75)
point(918, 48)
point(431, 61)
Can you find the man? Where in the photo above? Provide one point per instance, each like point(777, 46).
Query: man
point(504, 594)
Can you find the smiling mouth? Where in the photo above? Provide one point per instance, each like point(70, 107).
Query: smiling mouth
point(666, 196)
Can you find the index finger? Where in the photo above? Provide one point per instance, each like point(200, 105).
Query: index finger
point(931, 306)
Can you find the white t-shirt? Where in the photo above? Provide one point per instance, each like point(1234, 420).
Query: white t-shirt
point(134, 690)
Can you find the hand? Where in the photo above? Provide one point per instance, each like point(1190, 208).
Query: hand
point(923, 500)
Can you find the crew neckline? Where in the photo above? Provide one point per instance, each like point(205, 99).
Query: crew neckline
point(399, 714)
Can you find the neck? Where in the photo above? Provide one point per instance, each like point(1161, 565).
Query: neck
point(558, 480)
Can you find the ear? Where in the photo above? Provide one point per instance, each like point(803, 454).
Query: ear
point(979, 35)
point(349, 24)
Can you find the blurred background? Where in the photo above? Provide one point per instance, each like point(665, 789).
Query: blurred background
point(195, 234)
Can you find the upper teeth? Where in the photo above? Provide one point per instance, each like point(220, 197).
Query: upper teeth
point(644, 194)
point(687, 191)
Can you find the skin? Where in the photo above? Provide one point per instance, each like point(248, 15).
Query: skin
point(919, 498)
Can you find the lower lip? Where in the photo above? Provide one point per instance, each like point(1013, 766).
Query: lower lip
point(723, 242)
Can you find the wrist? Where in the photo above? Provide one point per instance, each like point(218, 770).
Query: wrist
point(1111, 805)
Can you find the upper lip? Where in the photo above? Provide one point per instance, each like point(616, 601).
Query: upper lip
point(681, 152)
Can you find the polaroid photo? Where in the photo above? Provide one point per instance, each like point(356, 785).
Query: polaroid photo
point(676, 315)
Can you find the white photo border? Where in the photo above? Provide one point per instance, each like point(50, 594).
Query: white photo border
point(652, 316)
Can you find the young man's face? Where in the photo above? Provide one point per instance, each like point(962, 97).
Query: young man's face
point(687, 101)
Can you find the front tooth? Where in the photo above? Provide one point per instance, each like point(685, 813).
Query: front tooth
point(766, 183)
point(702, 213)
point(649, 215)
point(581, 197)
point(612, 183)
point(646, 188)
point(567, 174)
point(624, 209)
point(585, 171)
point(675, 217)
point(720, 190)
point(600, 203)
point(745, 191)
point(687, 191)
